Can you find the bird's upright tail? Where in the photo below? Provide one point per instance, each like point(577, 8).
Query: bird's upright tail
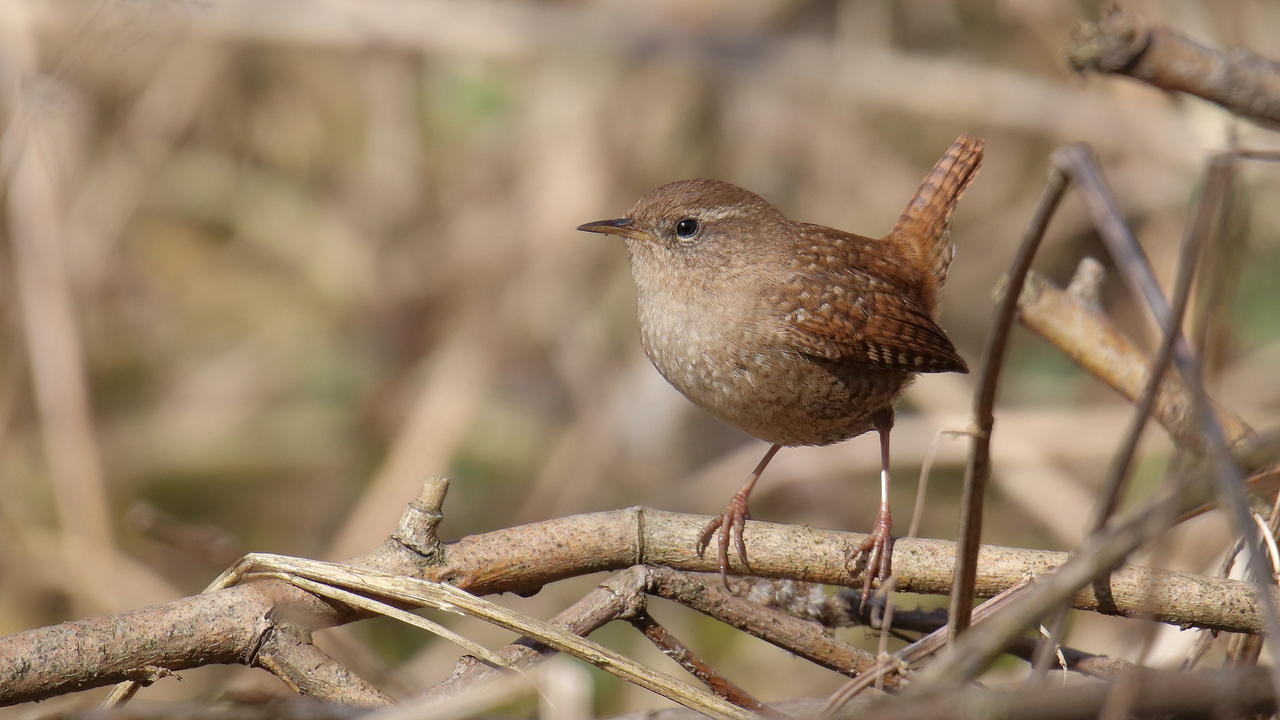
point(923, 228)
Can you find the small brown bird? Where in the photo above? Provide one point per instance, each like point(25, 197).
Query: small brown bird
point(798, 334)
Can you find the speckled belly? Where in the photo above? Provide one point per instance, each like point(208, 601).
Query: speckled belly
point(788, 399)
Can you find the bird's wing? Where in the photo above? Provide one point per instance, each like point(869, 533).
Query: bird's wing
point(860, 307)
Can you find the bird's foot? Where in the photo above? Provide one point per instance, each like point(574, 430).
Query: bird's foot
point(878, 550)
point(729, 524)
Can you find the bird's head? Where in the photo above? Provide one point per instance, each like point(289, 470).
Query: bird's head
point(704, 226)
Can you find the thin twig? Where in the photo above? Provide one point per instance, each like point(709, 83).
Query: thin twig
point(922, 485)
point(419, 592)
point(623, 596)
point(620, 596)
point(1212, 201)
point(671, 646)
point(1106, 550)
point(1092, 565)
point(914, 654)
point(1218, 176)
point(1136, 270)
point(1245, 649)
point(885, 599)
point(842, 611)
point(978, 469)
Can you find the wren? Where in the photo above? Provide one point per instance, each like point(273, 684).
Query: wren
point(796, 333)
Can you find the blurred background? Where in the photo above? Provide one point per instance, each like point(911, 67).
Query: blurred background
point(265, 266)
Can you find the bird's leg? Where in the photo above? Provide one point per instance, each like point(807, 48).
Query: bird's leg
point(878, 547)
point(732, 520)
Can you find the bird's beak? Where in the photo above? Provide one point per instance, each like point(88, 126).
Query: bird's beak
point(621, 226)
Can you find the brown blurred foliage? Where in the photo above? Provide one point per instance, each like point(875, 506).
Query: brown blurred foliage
point(299, 256)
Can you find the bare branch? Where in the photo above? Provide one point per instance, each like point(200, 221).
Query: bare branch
point(1081, 164)
point(290, 655)
point(1098, 346)
point(226, 626)
point(1213, 200)
point(842, 609)
point(978, 469)
point(1238, 79)
point(807, 639)
point(355, 586)
point(618, 597)
point(671, 646)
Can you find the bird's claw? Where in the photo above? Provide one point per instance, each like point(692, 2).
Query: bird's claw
point(730, 524)
point(878, 550)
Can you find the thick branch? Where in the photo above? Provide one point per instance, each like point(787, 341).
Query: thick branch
point(1238, 79)
point(524, 558)
point(226, 626)
point(804, 638)
point(290, 655)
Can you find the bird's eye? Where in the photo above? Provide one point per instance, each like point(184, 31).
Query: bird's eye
point(686, 228)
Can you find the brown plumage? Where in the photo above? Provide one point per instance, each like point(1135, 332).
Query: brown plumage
point(798, 334)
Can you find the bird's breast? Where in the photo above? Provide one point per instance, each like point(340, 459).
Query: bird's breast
point(727, 360)
point(695, 341)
